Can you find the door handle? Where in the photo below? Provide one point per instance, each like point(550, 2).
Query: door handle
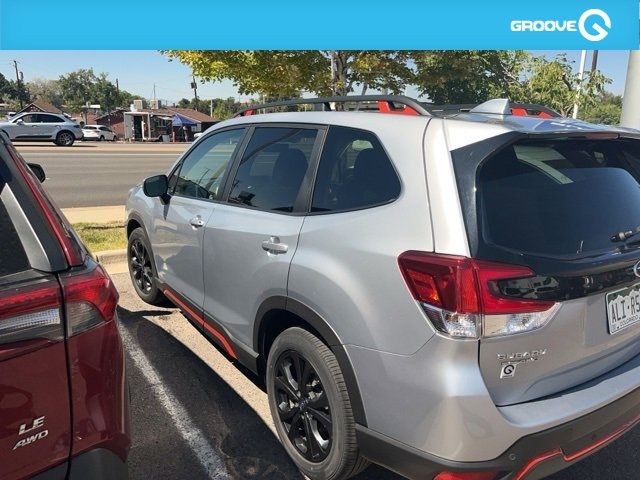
point(197, 222)
point(274, 246)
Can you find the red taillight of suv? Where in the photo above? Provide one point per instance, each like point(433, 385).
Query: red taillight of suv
point(31, 313)
point(461, 298)
point(90, 299)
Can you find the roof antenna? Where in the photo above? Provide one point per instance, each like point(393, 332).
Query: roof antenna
point(497, 106)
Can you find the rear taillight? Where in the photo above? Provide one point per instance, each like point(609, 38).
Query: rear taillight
point(461, 296)
point(90, 299)
point(31, 312)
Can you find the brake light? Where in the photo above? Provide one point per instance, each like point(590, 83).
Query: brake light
point(460, 295)
point(90, 299)
point(31, 312)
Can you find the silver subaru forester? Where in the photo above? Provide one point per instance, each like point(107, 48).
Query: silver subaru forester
point(454, 296)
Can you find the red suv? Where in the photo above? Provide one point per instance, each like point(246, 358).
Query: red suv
point(63, 394)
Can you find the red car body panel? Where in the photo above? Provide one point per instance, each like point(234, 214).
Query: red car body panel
point(33, 386)
point(100, 399)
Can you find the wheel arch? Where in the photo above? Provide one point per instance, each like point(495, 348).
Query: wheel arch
point(278, 313)
point(135, 221)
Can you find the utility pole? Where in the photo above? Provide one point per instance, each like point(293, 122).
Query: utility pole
point(594, 62)
point(631, 100)
point(117, 86)
point(334, 72)
point(194, 85)
point(211, 108)
point(15, 65)
point(583, 61)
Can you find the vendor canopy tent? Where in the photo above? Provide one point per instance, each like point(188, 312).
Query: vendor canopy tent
point(179, 121)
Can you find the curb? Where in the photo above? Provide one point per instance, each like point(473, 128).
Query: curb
point(112, 257)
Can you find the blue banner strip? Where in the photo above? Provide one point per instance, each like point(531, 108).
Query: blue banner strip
point(330, 24)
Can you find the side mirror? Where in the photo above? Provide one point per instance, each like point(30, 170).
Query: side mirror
point(156, 186)
point(19, 121)
point(38, 171)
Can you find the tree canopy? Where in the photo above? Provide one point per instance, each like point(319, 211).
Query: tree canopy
point(444, 76)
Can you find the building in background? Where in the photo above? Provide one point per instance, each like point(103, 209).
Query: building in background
point(162, 123)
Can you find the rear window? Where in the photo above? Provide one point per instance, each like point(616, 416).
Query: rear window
point(13, 258)
point(560, 198)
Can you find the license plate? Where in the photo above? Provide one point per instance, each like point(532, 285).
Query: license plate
point(623, 308)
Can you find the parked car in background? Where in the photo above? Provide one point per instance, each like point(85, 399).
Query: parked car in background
point(63, 393)
point(454, 297)
point(35, 126)
point(99, 133)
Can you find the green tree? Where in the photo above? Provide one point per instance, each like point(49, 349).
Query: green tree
point(607, 109)
point(46, 90)
point(7, 90)
point(288, 73)
point(467, 76)
point(84, 86)
point(77, 88)
point(555, 84)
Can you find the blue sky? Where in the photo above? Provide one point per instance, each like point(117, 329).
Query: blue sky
point(138, 70)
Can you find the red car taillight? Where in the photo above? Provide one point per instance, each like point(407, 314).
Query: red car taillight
point(31, 312)
point(460, 294)
point(90, 299)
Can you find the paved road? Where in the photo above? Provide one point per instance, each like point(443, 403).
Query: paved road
point(98, 174)
point(196, 415)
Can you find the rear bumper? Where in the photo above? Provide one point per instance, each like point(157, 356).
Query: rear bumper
point(532, 457)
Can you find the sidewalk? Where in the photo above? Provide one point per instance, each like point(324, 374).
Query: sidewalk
point(108, 214)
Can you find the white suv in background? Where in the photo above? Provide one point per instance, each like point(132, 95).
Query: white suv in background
point(99, 133)
point(36, 126)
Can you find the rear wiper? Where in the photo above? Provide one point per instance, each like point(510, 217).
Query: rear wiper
point(624, 236)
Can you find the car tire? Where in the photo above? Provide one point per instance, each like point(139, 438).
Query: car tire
point(323, 445)
point(65, 139)
point(142, 270)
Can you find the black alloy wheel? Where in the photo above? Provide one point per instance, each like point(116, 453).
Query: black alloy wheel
point(303, 407)
point(140, 266)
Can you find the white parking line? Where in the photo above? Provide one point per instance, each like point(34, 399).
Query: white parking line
point(208, 457)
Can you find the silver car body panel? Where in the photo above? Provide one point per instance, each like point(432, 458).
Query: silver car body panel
point(233, 241)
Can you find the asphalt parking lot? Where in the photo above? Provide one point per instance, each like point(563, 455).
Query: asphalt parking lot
point(196, 415)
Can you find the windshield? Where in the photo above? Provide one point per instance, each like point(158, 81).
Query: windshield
point(561, 197)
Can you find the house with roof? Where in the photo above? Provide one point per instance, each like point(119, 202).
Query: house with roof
point(40, 106)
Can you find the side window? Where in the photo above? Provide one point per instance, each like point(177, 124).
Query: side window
point(13, 258)
point(202, 171)
point(354, 172)
point(273, 168)
point(50, 119)
point(27, 118)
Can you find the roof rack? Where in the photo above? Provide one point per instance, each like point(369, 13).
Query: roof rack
point(517, 108)
point(400, 104)
point(397, 104)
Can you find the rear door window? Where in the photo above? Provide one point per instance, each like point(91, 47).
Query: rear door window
point(273, 167)
point(354, 172)
point(560, 198)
